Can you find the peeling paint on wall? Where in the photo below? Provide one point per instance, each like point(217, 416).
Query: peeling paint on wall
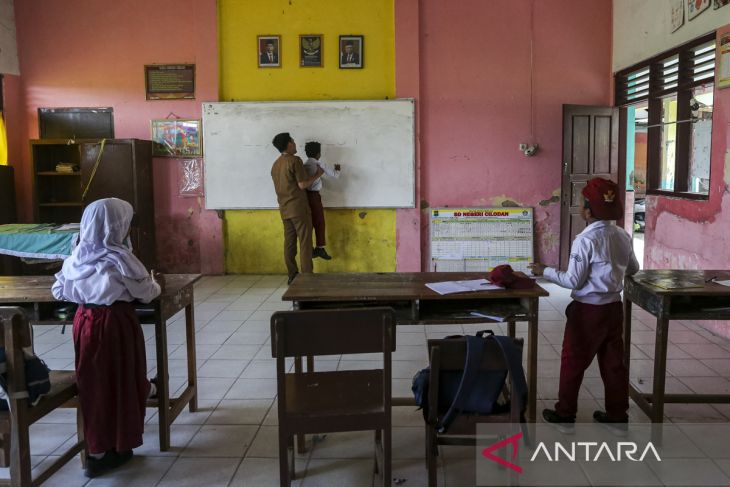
point(548, 239)
point(505, 202)
point(552, 200)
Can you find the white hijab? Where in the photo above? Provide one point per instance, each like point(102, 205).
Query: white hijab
point(102, 268)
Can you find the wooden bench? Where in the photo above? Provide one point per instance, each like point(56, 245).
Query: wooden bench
point(15, 424)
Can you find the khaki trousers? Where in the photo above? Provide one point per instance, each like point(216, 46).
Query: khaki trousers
point(298, 228)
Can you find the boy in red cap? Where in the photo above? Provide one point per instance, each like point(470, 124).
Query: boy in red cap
point(600, 257)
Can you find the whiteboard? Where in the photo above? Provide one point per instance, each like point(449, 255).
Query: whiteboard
point(373, 140)
point(480, 239)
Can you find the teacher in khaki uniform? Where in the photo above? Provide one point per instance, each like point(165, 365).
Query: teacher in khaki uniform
point(290, 181)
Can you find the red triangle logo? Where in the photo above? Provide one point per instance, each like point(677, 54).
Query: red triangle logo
point(513, 440)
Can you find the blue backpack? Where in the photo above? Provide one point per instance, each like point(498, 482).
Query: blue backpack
point(37, 380)
point(474, 391)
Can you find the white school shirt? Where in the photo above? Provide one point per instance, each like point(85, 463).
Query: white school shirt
point(311, 167)
point(601, 255)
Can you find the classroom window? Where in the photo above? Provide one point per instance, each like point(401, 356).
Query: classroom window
point(668, 133)
point(677, 88)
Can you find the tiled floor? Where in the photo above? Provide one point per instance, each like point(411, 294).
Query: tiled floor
point(232, 441)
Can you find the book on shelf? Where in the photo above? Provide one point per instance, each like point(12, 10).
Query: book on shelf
point(66, 167)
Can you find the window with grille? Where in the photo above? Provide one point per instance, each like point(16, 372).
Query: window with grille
point(678, 87)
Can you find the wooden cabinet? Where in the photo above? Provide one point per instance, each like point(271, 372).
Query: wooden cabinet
point(123, 169)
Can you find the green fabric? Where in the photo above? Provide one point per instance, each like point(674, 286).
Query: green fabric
point(36, 240)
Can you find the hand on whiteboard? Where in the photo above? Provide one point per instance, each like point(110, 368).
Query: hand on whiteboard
point(536, 268)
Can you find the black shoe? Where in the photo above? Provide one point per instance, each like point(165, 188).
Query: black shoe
point(615, 426)
point(111, 460)
point(291, 278)
point(321, 252)
point(564, 424)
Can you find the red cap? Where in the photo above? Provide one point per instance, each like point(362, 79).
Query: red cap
point(603, 198)
point(504, 275)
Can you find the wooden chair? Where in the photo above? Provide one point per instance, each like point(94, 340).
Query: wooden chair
point(447, 355)
point(325, 402)
point(15, 424)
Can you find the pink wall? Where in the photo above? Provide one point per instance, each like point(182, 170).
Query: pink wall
point(83, 54)
point(474, 102)
point(407, 85)
point(684, 234)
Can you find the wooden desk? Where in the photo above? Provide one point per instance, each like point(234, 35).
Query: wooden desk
point(414, 303)
point(178, 294)
point(672, 304)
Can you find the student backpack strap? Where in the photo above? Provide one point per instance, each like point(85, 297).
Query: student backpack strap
point(514, 366)
point(474, 351)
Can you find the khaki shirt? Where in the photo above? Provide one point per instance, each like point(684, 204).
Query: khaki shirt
point(286, 172)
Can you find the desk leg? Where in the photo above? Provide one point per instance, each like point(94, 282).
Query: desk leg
point(511, 331)
point(627, 332)
point(192, 360)
point(532, 335)
point(301, 447)
point(163, 384)
point(660, 369)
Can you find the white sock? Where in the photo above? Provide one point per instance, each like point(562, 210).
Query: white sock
point(153, 390)
point(97, 456)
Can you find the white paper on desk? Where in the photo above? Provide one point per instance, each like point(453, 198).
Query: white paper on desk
point(451, 287)
point(723, 283)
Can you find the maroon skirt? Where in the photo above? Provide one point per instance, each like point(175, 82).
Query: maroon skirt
point(111, 372)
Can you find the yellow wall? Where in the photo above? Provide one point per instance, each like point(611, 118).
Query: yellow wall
point(359, 240)
point(3, 142)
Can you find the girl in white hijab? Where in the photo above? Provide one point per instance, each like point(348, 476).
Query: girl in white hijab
point(104, 277)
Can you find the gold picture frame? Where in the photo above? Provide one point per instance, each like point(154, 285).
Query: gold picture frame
point(269, 51)
point(311, 50)
point(177, 137)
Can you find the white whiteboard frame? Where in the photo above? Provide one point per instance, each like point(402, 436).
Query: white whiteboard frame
point(478, 209)
point(408, 200)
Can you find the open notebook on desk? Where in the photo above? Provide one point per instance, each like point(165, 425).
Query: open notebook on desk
point(452, 287)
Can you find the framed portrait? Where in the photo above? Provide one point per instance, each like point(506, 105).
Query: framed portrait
point(269, 51)
point(310, 50)
point(352, 52)
point(176, 138)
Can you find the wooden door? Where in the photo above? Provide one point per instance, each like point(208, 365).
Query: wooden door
point(590, 149)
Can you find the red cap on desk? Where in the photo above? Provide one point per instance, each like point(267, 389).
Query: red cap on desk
point(504, 275)
point(603, 198)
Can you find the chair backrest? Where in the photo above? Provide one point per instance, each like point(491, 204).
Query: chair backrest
point(15, 336)
point(332, 332)
point(448, 355)
point(15, 319)
point(452, 354)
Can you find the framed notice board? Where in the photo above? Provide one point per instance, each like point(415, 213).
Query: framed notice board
point(169, 81)
point(479, 239)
